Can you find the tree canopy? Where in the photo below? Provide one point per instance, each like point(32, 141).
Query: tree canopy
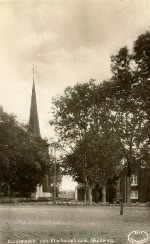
point(107, 124)
point(24, 158)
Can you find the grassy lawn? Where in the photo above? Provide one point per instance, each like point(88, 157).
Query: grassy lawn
point(70, 224)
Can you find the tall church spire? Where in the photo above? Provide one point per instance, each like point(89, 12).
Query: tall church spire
point(34, 120)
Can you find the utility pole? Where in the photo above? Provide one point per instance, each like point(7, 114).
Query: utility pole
point(121, 206)
point(54, 146)
point(55, 180)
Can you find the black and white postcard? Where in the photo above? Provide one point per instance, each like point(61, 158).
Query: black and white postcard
point(74, 121)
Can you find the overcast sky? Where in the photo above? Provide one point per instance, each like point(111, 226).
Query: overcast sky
point(69, 41)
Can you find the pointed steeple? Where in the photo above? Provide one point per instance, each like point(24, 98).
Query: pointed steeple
point(34, 120)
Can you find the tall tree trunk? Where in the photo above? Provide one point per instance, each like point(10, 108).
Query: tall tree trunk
point(0, 186)
point(8, 184)
point(104, 194)
point(8, 191)
point(128, 191)
point(118, 192)
point(85, 195)
point(90, 195)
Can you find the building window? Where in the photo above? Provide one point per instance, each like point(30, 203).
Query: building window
point(133, 180)
point(134, 194)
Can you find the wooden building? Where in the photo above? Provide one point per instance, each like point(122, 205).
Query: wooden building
point(140, 186)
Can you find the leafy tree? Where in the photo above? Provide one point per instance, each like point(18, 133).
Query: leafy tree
point(24, 158)
point(83, 119)
point(71, 112)
point(93, 161)
point(141, 55)
point(141, 91)
point(131, 118)
point(120, 106)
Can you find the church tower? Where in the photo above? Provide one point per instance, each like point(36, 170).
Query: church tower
point(34, 126)
point(34, 120)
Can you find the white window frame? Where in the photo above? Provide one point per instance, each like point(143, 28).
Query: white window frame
point(134, 181)
point(134, 194)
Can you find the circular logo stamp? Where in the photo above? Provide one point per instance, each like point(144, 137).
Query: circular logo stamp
point(138, 237)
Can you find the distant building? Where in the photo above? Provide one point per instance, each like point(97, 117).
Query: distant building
point(140, 186)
